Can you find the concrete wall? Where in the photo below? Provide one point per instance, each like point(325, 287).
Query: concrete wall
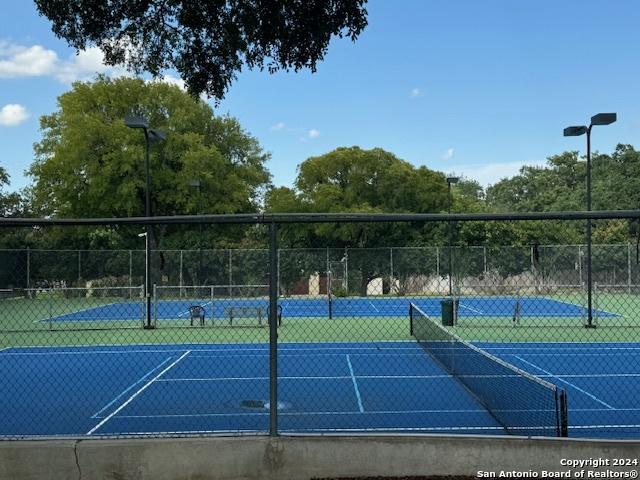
point(294, 457)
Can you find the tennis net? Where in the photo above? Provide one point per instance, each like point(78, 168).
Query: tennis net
point(521, 403)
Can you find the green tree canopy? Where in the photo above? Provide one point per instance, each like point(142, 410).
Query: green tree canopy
point(11, 203)
point(206, 42)
point(357, 180)
point(89, 164)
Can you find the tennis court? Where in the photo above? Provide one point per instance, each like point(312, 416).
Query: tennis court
point(323, 387)
point(219, 308)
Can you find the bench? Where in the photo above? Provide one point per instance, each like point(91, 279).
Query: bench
point(257, 312)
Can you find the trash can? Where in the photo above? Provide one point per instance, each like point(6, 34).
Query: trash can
point(449, 312)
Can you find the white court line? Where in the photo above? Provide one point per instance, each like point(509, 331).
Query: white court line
point(95, 415)
point(374, 307)
point(5, 348)
point(187, 311)
point(474, 310)
point(138, 392)
point(290, 355)
point(95, 352)
point(355, 384)
point(560, 354)
point(321, 413)
point(557, 347)
point(369, 412)
point(385, 377)
point(593, 397)
point(284, 346)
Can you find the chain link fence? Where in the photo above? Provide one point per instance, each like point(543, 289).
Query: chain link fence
point(453, 339)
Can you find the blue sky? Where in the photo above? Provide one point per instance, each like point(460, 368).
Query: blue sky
point(475, 87)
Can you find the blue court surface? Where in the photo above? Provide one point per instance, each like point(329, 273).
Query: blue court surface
point(494, 306)
point(323, 387)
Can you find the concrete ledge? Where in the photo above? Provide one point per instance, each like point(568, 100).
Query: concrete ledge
point(303, 457)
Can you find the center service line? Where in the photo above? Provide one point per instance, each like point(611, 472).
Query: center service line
point(355, 384)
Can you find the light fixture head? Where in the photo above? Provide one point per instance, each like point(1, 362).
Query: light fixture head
point(604, 118)
point(575, 131)
point(136, 121)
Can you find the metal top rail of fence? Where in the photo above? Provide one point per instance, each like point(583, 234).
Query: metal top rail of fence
point(300, 218)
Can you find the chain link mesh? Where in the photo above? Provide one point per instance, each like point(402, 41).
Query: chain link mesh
point(84, 351)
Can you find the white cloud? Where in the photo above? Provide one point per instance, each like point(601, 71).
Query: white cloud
point(415, 93)
point(313, 133)
point(448, 155)
point(494, 172)
point(19, 61)
point(278, 126)
point(12, 115)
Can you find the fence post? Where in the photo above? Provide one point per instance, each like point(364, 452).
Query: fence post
point(628, 267)
point(181, 280)
point(438, 262)
point(273, 329)
point(346, 270)
point(391, 281)
point(484, 259)
point(130, 271)
point(28, 268)
point(230, 269)
point(580, 266)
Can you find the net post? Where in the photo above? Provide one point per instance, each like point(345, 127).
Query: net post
point(273, 329)
point(410, 318)
point(516, 310)
point(329, 288)
point(563, 415)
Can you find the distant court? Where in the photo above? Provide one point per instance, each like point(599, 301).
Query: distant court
point(493, 306)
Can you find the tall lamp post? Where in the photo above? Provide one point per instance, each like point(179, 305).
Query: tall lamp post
point(450, 181)
point(197, 185)
point(150, 135)
point(575, 131)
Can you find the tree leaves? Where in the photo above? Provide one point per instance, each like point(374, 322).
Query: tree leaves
point(206, 42)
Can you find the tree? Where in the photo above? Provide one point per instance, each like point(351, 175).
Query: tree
point(89, 164)
point(206, 42)
point(11, 203)
point(366, 181)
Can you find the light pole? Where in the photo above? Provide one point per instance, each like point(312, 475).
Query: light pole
point(149, 135)
point(197, 185)
point(450, 181)
point(575, 131)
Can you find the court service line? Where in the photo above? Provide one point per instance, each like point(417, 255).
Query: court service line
point(385, 377)
point(355, 384)
point(329, 413)
point(95, 415)
point(138, 392)
point(593, 397)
